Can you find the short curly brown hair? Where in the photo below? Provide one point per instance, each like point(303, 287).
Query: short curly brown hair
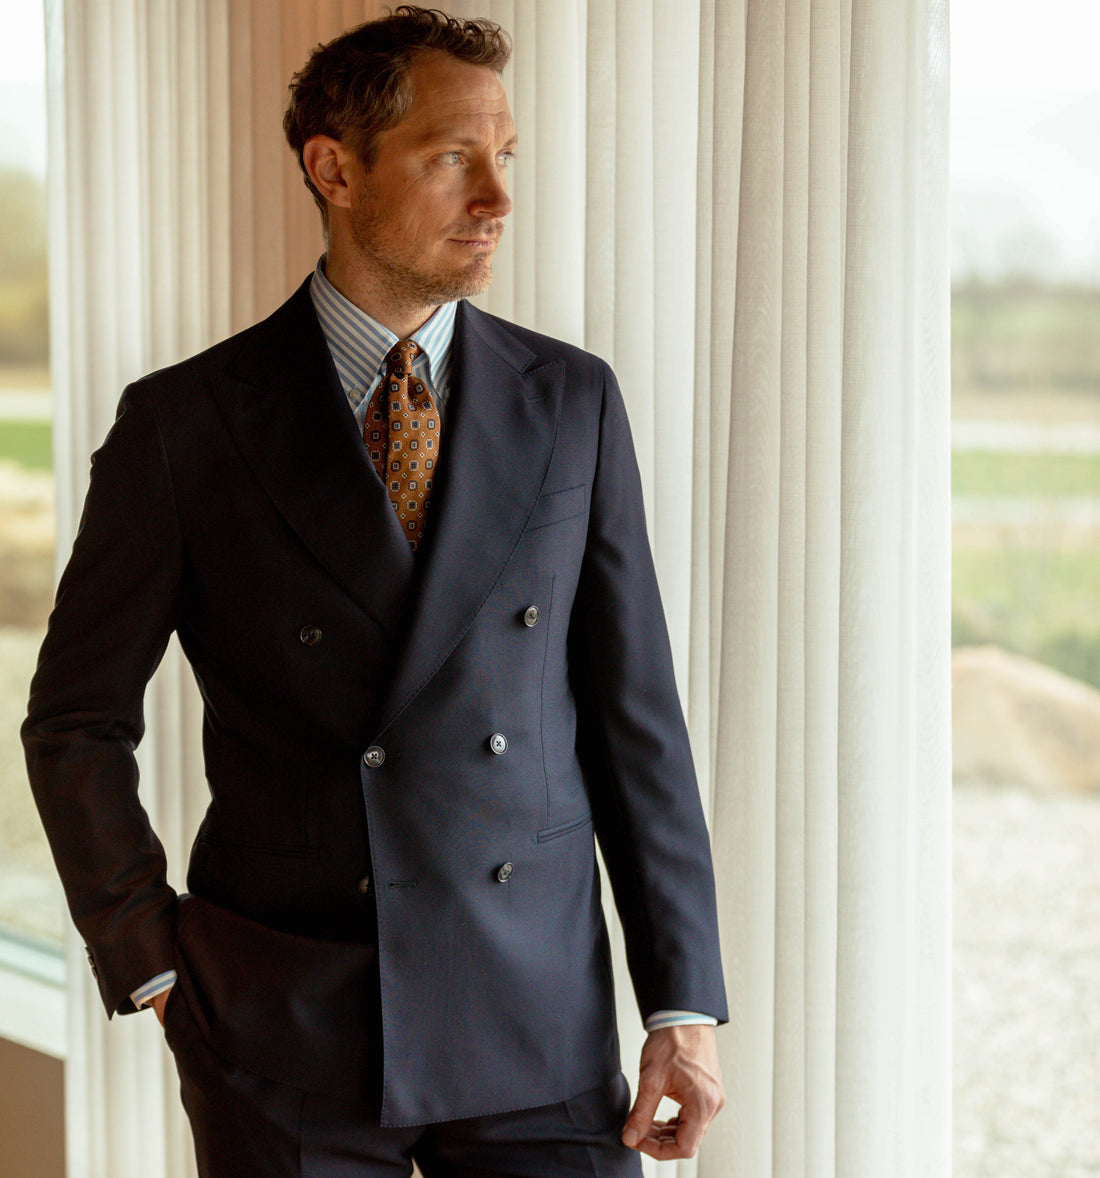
point(357, 85)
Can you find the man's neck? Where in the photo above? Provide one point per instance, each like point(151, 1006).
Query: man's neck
point(364, 290)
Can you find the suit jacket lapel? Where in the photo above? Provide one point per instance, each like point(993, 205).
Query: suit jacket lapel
point(497, 443)
point(287, 410)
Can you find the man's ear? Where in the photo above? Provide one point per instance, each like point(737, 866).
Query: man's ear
point(327, 161)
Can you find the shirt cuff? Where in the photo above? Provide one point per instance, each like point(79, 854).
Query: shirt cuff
point(154, 986)
point(678, 1018)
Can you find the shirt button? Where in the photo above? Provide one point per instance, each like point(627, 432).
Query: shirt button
point(531, 616)
point(374, 756)
point(504, 872)
point(310, 635)
point(498, 742)
point(364, 885)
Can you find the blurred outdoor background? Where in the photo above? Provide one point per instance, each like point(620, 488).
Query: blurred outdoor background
point(30, 899)
point(1025, 368)
point(1026, 609)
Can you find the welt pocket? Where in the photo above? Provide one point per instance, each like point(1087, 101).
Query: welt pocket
point(557, 506)
point(556, 832)
point(283, 850)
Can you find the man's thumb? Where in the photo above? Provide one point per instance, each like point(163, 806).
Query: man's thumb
point(640, 1117)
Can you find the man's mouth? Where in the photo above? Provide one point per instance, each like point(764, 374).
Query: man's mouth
point(476, 237)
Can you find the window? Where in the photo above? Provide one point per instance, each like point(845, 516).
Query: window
point(31, 906)
point(1026, 664)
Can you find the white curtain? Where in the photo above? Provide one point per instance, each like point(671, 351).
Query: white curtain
point(741, 204)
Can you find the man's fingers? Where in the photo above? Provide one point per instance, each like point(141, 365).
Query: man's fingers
point(677, 1138)
point(661, 1132)
point(665, 1140)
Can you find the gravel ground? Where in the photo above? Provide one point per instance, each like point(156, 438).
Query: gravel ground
point(1027, 985)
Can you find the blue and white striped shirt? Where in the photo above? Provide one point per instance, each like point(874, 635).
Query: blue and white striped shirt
point(360, 344)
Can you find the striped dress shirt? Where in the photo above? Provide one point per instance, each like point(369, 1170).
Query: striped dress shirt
point(360, 345)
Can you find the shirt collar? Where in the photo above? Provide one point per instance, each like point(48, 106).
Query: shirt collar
point(360, 344)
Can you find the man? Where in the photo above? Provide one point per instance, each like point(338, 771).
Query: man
point(402, 545)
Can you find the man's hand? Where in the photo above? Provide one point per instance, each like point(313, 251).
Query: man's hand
point(681, 1063)
point(158, 1002)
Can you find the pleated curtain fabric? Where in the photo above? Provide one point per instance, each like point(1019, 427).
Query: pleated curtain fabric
point(741, 204)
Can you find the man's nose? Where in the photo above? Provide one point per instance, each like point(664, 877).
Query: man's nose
point(491, 197)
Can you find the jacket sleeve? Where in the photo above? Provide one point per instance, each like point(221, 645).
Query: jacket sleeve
point(634, 746)
point(115, 610)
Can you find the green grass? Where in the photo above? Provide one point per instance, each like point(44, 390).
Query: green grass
point(990, 473)
point(28, 443)
point(1034, 592)
point(1040, 601)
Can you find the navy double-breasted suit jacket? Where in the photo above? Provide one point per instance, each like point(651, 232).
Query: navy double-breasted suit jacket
point(407, 756)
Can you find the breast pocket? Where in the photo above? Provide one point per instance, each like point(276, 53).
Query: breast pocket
point(557, 506)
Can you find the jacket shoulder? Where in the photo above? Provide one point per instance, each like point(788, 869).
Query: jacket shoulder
point(224, 358)
point(543, 348)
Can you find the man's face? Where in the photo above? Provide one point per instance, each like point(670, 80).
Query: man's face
point(426, 219)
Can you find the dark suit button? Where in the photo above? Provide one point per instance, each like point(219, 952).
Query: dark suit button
point(498, 742)
point(364, 885)
point(531, 616)
point(310, 635)
point(504, 872)
point(374, 756)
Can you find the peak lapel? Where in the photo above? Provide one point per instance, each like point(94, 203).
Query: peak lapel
point(290, 418)
point(498, 439)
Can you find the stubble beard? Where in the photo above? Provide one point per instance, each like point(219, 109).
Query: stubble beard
point(405, 278)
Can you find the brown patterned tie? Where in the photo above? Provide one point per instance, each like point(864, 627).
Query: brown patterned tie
point(402, 435)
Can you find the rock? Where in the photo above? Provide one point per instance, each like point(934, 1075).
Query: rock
point(1017, 722)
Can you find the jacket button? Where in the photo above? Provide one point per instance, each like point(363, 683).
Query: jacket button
point(374, 756)
point(498, 742)
point(504, 872)
point(364, 885)
point(531, 616)
point(310, 635)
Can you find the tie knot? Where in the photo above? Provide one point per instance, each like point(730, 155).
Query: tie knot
point(402, 355)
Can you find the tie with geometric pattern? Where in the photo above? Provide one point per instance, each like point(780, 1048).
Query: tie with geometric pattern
point(402, 434)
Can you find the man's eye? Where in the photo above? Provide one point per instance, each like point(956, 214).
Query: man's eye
point(451, 157)
point(506, 159)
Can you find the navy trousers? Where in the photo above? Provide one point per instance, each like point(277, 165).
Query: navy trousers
point(246, 1126)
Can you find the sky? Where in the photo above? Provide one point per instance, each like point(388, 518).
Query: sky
point(1025, 128)
point(1025, 131)
point(22, 86)
point(22, 51)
